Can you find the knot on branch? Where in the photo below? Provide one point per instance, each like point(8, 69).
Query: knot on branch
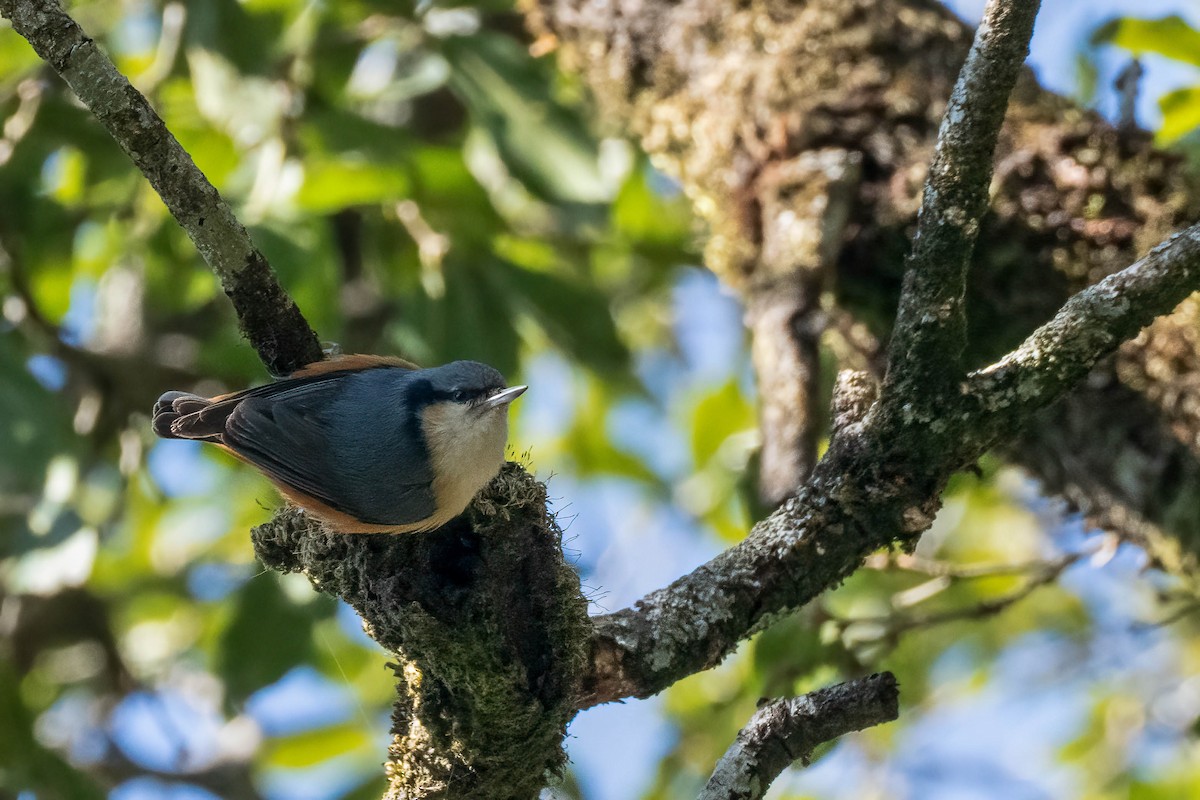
point(485, 620)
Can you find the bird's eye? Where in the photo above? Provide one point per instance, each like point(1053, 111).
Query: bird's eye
point(460, 396)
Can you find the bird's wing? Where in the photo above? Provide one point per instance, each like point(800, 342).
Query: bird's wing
point(287, 435)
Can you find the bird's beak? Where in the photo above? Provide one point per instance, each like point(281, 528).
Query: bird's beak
point(504, 397)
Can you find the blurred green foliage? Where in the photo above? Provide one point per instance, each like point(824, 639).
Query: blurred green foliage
point(426, 187)
point(421, 184)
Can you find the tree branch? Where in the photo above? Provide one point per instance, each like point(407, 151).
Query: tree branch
point(1090, 326)
point(788, 730)
point(881, 482)
point(268, 317)
point(890, 627)
point(486, 624)
point(930, 333)
point(1074, 200)
point(873, 487)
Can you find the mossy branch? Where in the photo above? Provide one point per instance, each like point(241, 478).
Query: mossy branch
point(488, 626)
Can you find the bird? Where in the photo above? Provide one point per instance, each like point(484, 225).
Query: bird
point(364, 443)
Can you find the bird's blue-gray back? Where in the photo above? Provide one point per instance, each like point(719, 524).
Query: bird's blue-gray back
point(320, 439)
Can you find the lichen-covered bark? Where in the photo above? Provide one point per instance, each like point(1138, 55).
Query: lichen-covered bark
point(488, 628)
point(925, 356)
point(269, 318)
point(718, 92)
point(788, 730)
point(879, 484)
point(1096, 319)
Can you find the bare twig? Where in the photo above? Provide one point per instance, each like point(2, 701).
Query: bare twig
point(268, 316)
point(930, 334)
point(788, 730)
point(785, 325)
point(891, 626)
point(946, 569)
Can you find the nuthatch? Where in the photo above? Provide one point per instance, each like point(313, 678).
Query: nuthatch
point(367, 444)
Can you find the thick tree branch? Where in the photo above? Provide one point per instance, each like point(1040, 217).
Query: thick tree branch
point(788, 730)
point(785, 347)
point(930, 334)
point(1091, 325)
point(487, 626)
point(873, 487)
point(267, 315)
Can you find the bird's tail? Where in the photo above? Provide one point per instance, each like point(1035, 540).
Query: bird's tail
point(179, 415)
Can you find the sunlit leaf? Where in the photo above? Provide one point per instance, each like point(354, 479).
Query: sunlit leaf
point(1169, 36)
point(334, 185)
point(593, 450)
point(312, 747)
point(655, 219)
point(717, 416)
point(1181, 113)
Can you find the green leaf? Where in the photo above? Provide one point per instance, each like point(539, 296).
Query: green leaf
point(576, 317)
point(333, 185)
point(292, 250)
point(650, 219)
point(719, 415)
point(1181, 113)
point(545, 145)
point(16, 56)
point(337, 133)
point(372, 788)
point(232, 28)
point(591, 447)
point(1169, 36)
point(247, 107)
point(313, 747)
point(465, 311)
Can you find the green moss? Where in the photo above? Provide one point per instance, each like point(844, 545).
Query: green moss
point(489, 631)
